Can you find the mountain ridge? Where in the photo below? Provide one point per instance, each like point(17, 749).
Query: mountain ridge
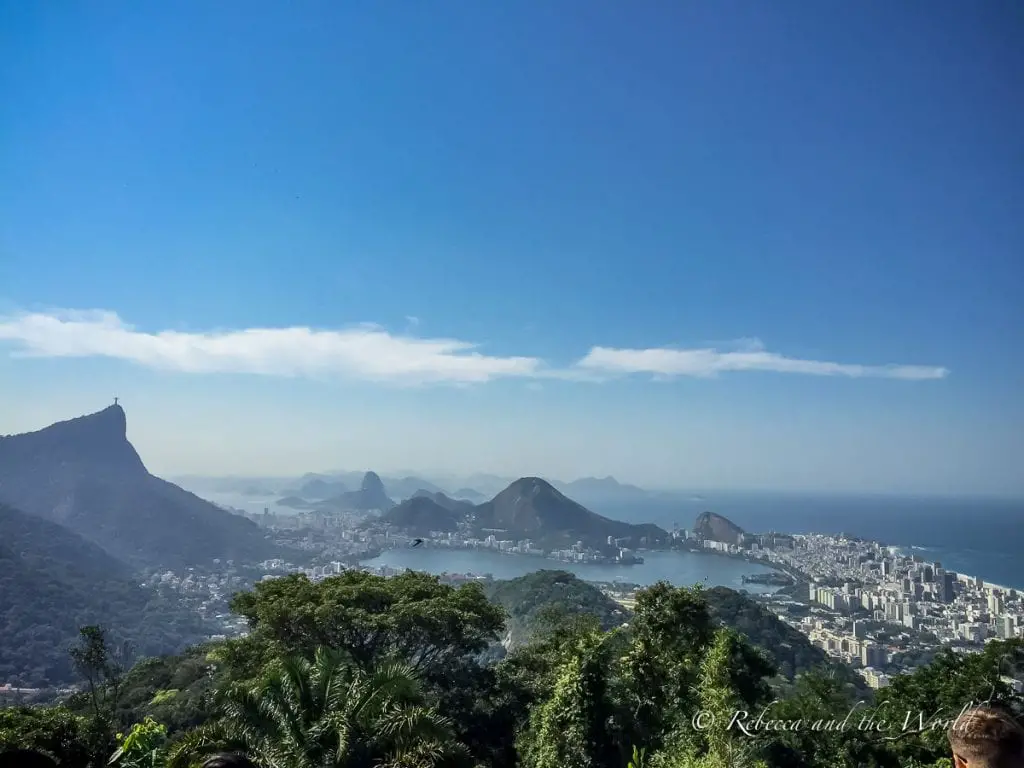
point(528, 508)
point(106, 431)
point(420, 515)
point(601, 486)
point(532, 507)
point(442, 499)
point(84, 474)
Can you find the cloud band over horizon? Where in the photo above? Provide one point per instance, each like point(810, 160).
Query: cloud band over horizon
point(668, 362)
point(372, 353)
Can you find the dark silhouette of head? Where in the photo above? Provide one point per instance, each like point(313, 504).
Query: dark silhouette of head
point(26, 758)
point(987, 737)
point(229, 760)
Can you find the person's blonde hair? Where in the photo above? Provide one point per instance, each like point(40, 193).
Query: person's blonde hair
point(988, 737)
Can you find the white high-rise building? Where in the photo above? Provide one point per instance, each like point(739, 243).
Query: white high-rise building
point(995, 604)
point(1006, 627)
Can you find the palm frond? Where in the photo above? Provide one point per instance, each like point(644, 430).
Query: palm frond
point(326, 713)
point(195, 745)
point(409, 723)
point(389, 683)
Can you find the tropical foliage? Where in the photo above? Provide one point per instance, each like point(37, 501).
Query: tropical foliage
point(358, 671)
point(145, 746)
point(306, 714)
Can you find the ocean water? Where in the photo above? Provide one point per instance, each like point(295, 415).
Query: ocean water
point(253, 505)
point(679, 568)
point(979, 537)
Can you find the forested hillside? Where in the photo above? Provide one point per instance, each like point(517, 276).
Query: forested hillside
point(790, 650)
point(534, 601)
point(360, 671)
point(53, 581)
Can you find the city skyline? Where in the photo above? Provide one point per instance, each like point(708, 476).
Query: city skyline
point(751, 248)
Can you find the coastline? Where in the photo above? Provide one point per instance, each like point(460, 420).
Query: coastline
point(912, 551)
point(804, 578)
point(903, 551)
point(801, 578)
point(798, 576)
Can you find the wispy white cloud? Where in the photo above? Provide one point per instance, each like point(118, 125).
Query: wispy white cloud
point(372, 353)
point(364, 352)
point(749, 355)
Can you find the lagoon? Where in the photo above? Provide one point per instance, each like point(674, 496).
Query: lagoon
point(678, 568)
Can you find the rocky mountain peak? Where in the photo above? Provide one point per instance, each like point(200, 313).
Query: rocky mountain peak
point(99, 438)
point(85, 475)
point(372, 484)
point(714, 527)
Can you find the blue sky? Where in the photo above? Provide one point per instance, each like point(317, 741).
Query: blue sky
point(732, 245)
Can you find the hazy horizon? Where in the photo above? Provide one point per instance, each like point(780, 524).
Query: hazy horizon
point(763, 247)
point(453, 480)
point(671, 494)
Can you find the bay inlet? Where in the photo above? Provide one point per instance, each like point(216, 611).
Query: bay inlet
point(677, 568)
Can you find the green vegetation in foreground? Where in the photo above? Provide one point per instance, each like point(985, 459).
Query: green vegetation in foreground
point(361, 671)
point(539, 600)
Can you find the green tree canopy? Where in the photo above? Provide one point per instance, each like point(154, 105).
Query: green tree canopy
point(54, 731)
point(412, 616)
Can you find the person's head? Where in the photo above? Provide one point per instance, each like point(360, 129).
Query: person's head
point(25, 758)
point(987, 737)
point(229, 760)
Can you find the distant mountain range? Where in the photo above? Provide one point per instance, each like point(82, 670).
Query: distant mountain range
point(329, 492)
point(318, 487)
point(407, 487)
point(529, 508)
point(428, 512)
point(586, 490)
point(444, 501)
point(468, 494)
point(84, 475)
point(604, 488)
point(371, 496)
